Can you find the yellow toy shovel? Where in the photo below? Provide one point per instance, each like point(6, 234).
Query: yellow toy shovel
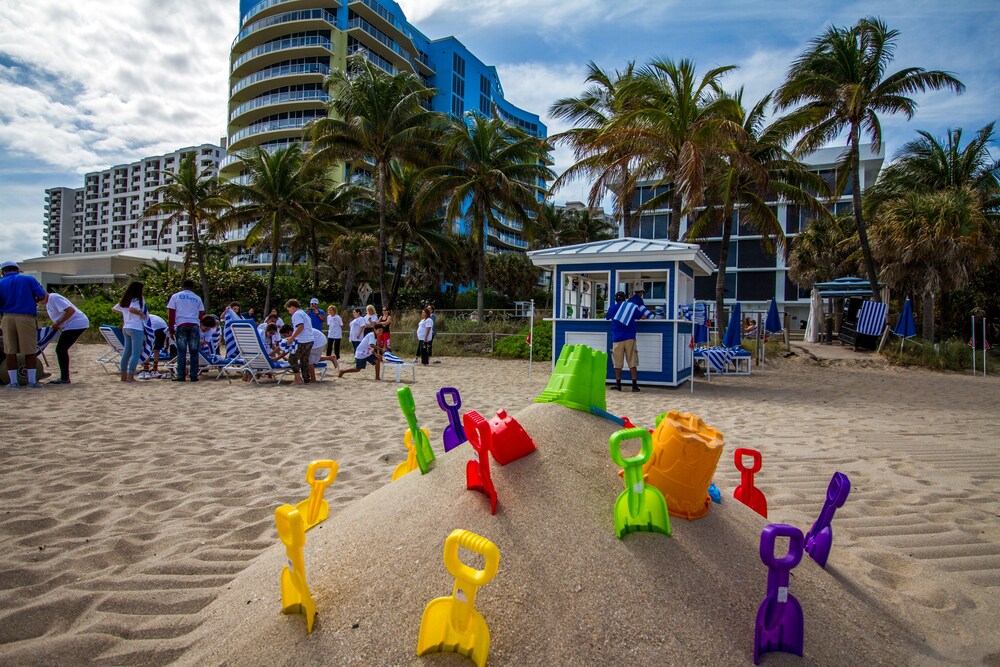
point(410, 464)
point(452, 623)
point(315, 509)
point(295, 595)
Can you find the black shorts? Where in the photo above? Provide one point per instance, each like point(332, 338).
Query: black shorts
point(159, 339)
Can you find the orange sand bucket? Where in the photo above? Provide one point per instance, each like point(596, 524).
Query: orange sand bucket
point(686, 452)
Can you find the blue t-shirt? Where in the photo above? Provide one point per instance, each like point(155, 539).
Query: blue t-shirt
point(317, 319)
point(19, 294)
point(623, 317)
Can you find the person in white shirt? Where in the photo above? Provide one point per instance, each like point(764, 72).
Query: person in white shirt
point(132, 307)
point(184, 312)
point(334, 331)
point(210, 336)
point(71, 323)
point(371, 319)
point(356, 327)
point(367, 352)
point(425, 332)
point(302, 335)
point(159, 344)
point(232, 312)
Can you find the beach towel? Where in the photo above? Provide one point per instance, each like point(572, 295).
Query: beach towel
point(871, 318)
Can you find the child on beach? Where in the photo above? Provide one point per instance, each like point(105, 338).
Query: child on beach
point(367, 352)
point(210, 336)
point(334, 332)
point(356, 327)
point(301, 334)
point(160, 342)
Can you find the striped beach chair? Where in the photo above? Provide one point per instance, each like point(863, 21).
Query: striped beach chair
point(116, 344)
point(255, 359)
point(390, 359)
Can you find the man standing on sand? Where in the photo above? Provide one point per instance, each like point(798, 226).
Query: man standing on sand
point(623, 315)
point(303, 337)
point(184, 312)
point(19, 297)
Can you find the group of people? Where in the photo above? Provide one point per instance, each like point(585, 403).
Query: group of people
point(20, 296)
point(189, 332)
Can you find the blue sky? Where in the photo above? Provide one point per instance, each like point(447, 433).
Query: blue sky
point(92, 83)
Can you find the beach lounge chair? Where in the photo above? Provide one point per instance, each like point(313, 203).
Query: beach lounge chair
point(231, 363)
point(255, 359)
point(113, 337)
point(391, 360)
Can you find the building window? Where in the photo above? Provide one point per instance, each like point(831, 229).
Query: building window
point(458, 85)
point(458, 65)
point(457, 107)
point(484, 85)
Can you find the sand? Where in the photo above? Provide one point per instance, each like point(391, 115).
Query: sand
point(137, 523)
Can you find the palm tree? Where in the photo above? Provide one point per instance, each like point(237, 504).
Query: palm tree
point(589, 227)
point(375, 118)
point(599, 158)
point(333, 213)
point(491, 171)
point(550, 228)
point(842, 84)
point(752, 168)
point(677, 121)
point(930, 242)
point(192, 197)
point(283, 190)
point(824, 250)
point(354, 254)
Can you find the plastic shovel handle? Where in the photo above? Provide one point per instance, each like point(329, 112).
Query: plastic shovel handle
point(326, 464)
point(752, 453)
point(476, 544)
point(290, 527)
point(444, 393)
point(409, 408)
point(618, 437)
point(768, 537)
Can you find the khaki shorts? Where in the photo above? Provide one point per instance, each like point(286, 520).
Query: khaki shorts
point(20, 334)
point(624, 352)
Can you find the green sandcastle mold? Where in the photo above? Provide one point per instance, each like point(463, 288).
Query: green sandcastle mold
point(577, 380)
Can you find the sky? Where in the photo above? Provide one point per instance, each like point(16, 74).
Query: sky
point(88, 84)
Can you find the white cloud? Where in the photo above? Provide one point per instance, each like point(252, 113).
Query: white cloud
point(92, 83)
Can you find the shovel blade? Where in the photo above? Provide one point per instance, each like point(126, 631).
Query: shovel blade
point(779, 627)
point(450, 438)
point(438, 635)
point(818, 545)
point(292, 600)
point(753, 498)
point(652, 518)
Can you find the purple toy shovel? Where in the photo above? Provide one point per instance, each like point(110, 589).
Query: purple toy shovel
point(779, 625)
point(819, 539)
point(454, 432)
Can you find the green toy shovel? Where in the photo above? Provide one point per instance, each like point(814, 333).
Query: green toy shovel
point(422, 444)
point(639, 507)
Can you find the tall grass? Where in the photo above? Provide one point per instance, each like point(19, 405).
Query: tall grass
point(952, 355)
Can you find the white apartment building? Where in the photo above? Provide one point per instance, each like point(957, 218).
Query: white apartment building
point(106, 214)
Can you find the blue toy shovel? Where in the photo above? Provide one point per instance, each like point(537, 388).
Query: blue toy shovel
point(454, 432)
point(819, 539)
point(779, 625)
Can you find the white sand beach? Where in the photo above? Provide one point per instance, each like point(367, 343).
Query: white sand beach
point(137, 523)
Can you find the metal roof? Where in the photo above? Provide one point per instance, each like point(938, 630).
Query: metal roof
point(626, 249)
point(842, 287)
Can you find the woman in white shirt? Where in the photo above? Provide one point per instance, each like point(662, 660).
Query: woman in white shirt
point(356, 327)
point(133, 311)
point(371, 319)
point(334, 331)
point(71, 323)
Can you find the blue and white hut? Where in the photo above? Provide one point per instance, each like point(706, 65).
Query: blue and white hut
point(585, 279)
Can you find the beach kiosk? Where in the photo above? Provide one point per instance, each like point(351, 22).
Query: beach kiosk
point(585, 279)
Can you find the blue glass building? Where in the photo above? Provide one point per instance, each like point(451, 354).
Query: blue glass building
point(286, 48)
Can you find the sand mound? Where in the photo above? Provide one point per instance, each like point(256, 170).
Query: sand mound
point(567, 592)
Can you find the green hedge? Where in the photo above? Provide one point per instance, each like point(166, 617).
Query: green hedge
point(516, 346)
point(953, 355)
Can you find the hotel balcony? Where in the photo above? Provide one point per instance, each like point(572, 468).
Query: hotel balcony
point(283, 49)
point(267, 29)
point(260, 259)
point(267, 8)
point(266, 104)
point(378, 42)
point(260, 82)
point(382, 19)
point(506, 239)
point(275, 129)
point(373, 58)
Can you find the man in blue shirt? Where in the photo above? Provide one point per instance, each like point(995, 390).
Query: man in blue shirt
point(316, 317)
point(19, 297)
point(623, 315)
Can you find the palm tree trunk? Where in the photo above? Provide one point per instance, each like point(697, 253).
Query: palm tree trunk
point(674, 229)
point(200, 252)
point(383, 243)
point(314, 249)
point(859, 221)
point(480, 295)
point(349, 277)
point(274, 267)
point(397, 276)
point(720, 280)
point(928, 316)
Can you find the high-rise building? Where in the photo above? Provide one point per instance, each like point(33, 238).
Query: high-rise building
point(754, 276)
point(286, 48)
point(106, 214)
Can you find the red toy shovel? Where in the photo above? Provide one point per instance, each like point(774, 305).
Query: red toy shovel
point(477, 471)
point(746, 492)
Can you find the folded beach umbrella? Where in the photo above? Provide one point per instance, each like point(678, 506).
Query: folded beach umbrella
point(734, 332)
point(773, 322)
point(905, 327)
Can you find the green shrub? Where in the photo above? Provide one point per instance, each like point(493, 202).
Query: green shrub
point(516, 346)
point(953, 355)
